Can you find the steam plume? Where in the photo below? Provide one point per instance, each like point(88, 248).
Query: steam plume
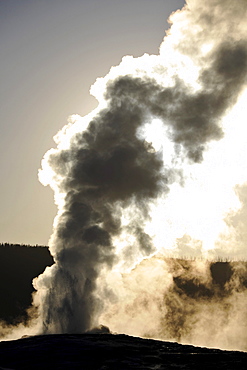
point(110, 173)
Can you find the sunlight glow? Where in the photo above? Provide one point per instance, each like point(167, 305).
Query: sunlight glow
point(199, 207)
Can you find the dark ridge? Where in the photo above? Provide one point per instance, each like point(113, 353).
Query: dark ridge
point(192, 288)
point(19, 265)
point(221, 272)
point(108, 351)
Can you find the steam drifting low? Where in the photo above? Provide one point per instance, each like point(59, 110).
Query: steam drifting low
point(153, 169)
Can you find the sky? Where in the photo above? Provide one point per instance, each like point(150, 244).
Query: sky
point(158, 169)
point(52, 51)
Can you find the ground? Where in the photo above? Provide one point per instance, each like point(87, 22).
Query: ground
point(109, 351)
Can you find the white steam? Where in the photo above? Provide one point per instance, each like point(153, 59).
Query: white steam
point(158, 167)
point(153, 168)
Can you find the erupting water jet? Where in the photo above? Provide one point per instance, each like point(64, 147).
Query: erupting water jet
point(124, 193)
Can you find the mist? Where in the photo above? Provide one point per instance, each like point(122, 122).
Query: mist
point(195, 302)
point(157, 170)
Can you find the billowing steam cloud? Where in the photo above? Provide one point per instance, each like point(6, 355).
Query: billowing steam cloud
point(122, 175)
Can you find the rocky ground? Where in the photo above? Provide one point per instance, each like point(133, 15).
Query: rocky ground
point(108, 351)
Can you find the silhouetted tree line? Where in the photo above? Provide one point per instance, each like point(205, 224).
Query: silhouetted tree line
point(19, 264)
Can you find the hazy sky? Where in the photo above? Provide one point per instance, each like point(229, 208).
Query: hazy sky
point(51, 53)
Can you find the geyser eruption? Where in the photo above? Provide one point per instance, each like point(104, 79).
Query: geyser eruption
point(119, 173)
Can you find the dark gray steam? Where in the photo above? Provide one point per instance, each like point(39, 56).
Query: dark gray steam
point(108, 166)
point(192, 117)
